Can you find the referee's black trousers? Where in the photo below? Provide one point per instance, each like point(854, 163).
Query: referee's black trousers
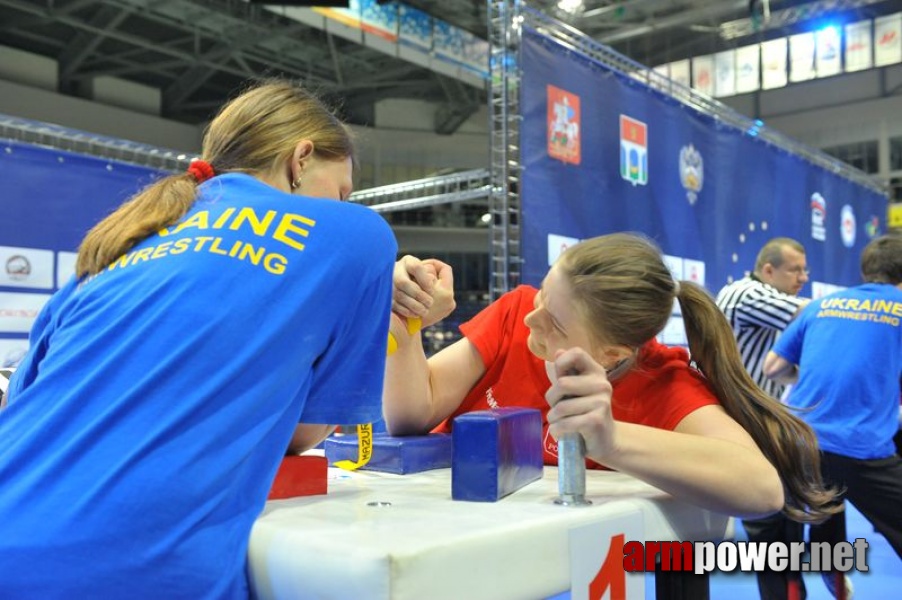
point(874, 487)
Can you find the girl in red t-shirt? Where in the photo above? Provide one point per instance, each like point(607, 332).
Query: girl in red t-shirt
point(703, 432)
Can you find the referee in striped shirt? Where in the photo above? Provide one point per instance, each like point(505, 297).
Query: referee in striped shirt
point(762, 304)
point(759, 307)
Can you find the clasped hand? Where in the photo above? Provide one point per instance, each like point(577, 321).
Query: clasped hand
point(580, 399)
point(422, 288)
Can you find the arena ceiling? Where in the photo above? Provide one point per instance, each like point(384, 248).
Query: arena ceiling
point(198, 52)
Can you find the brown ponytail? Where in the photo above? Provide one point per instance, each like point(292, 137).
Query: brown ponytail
point(159, 205)
point(787, 441)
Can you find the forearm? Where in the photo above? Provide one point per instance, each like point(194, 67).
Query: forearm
point(407, 395)
point(715, 474)
point(308, 435)
point(787, 376)
point(779, 369)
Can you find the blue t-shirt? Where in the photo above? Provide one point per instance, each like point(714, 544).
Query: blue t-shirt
point(147, 421)
point(848, 346)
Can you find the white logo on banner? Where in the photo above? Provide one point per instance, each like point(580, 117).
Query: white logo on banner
point(679, 72)
point(747, 69)
point(694, 271)
point(692, 172)
point(702, 74)
point(847, 226)
point(18, 311)
point(858, 46)
point(557, 244)
point(682, 269)
point(801, 57)
point(888, 40)
point(773, 61)
point(829, 61)
point(818, 217)
point(26, 267)
point(725, 73)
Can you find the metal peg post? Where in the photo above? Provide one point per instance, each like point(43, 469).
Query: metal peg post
point(571, 470)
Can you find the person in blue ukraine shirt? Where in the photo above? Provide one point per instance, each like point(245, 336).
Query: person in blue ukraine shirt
point(844, 353)
point(215, 317)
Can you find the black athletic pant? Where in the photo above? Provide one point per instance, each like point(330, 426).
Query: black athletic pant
point(874, 487)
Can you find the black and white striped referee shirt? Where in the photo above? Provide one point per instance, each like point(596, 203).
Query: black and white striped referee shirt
point(5, 374)
point(758, 312)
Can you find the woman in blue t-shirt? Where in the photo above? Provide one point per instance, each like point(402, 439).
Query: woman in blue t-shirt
point(209, 316)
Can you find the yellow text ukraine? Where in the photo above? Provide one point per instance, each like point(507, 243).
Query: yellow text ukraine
point(286, 229)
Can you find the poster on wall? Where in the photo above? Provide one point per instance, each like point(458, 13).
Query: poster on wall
point(414, 27)
point(710, 195)
point(858, 46)
point(725, 73)
point(773, 64)
point(679, 72)
point(747, 69)
point(476, 54)
point(379, 19)
point(828, 60)
point(703, 74)
point(448, 41)
point(801, 57)
point(888, 40)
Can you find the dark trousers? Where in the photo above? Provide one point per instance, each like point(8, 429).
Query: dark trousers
point(772, 585)
point(874, 487)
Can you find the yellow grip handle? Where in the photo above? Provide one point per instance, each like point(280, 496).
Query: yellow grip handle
point(414, 324)
point(364, 448)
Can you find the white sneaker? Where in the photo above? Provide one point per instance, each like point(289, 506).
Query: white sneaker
point(830, 581)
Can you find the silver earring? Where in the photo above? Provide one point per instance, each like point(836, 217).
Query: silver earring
point(296, 183)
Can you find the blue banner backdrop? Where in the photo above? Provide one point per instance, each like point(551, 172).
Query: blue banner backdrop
point(603, 152)
point(49, 199)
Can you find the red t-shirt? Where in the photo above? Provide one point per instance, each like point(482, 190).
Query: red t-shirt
point(659, 391)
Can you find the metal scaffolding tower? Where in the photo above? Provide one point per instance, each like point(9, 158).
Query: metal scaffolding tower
point(505, 20)
point(464, 186)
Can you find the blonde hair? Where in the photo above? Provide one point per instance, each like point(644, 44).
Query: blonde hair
point(625, 292)
point(250, 134)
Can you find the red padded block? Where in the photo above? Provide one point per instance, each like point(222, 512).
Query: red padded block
point(300, 476)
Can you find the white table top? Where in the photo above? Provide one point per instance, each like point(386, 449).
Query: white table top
point(399, 537)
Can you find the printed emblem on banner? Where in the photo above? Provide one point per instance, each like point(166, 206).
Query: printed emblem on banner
point(847, 226)
point(888, 38)
point(563, 126)
point(692, 172)
point(18, 267)
point(818, 217)
point(633, 150)
point(872, 227)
